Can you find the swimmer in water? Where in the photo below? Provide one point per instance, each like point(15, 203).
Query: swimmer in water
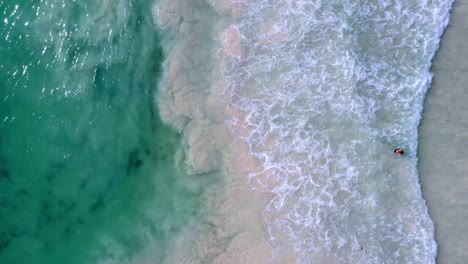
point(399, 151)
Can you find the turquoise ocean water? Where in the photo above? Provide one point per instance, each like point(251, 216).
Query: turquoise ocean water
point(87, 168)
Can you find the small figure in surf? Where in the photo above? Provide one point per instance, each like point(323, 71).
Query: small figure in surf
point(399, 151)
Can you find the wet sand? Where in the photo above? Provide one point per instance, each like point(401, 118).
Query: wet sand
point(443, 149)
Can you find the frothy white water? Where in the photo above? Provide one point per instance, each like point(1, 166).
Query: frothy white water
point(316, 95)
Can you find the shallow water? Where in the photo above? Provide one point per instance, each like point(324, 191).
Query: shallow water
point(87, 169)
point(316, 96)
point(443, 151)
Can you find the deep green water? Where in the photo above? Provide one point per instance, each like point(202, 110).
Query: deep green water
point(86, 166)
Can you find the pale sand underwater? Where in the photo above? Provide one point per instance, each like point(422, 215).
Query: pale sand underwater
point(443, 147)
point(232, 229)
point(274, 99)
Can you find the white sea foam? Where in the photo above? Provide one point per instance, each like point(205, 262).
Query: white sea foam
point(321, 92)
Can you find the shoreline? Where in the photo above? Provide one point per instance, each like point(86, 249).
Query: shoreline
point(443, 141)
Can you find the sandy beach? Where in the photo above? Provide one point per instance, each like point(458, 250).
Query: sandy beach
point(443, 147)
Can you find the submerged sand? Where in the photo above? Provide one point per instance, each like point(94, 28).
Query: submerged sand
point(443, 149)
point(202, 38)
point(232, 229)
